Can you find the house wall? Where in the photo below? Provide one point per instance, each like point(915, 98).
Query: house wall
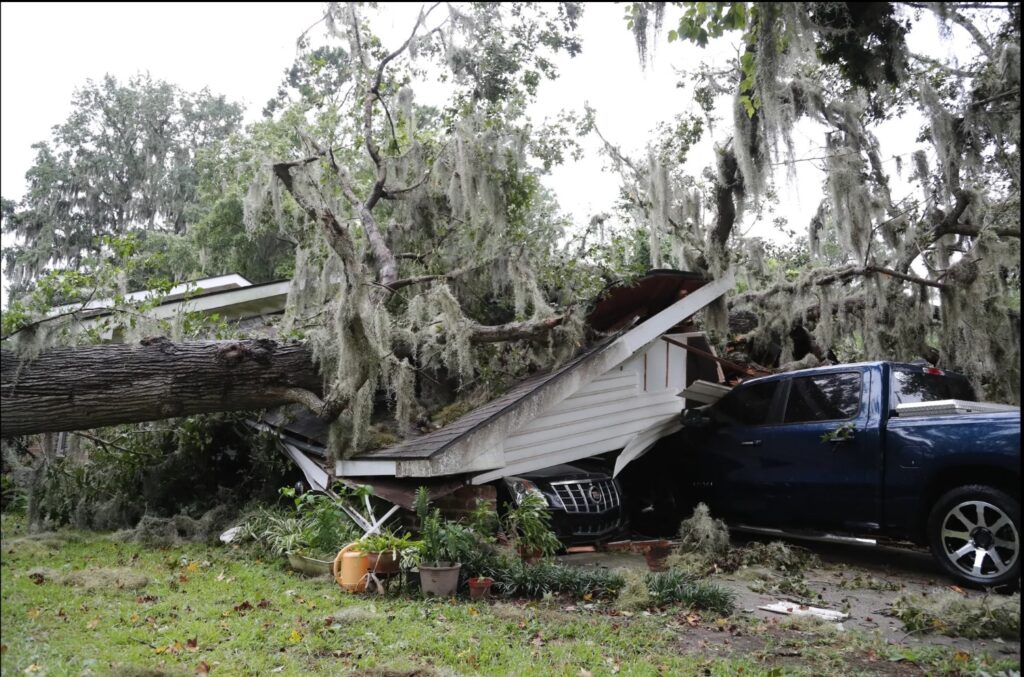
point(662, 366)
point(607, 414)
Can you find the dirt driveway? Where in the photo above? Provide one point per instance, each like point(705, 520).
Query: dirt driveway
point(861, 581)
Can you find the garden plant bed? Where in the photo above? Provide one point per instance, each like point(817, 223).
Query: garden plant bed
point(220, 608)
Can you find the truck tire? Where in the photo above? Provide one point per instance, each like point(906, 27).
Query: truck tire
point(975, 536)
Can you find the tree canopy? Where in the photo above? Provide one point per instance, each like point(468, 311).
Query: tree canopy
point(428, 262)
point(932, 272)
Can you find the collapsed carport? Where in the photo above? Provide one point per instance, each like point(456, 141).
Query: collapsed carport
point(619, 395)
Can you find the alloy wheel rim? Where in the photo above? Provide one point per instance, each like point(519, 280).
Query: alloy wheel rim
point(980, 539)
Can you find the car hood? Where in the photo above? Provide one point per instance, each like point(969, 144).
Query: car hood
point(564, 472)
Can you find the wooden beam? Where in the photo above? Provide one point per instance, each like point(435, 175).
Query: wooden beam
point(746, 371)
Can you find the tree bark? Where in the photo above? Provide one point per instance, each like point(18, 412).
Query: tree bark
point(82, 388)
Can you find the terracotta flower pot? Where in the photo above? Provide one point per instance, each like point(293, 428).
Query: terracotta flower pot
point(529, 555)
point(441, 580)
point(656, 553)
point(382, 563)
point(480, 587)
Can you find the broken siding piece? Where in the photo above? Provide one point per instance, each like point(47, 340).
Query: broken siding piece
point(792, 609)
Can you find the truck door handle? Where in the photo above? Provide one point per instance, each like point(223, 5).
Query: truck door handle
point(750, 443)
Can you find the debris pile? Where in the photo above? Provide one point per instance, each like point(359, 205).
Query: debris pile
point(956, 615)
point(92, 579)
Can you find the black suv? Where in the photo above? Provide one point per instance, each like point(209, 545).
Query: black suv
point(586, 503)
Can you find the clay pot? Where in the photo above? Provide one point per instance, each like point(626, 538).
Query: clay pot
point(441, 580)
point(656, 553)
point(382, 563)
point(529, 555)
point(479, 587)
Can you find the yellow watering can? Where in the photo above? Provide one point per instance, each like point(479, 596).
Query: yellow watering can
point(350, 567)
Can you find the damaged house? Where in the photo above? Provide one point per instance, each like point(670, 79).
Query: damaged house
point(612, 401)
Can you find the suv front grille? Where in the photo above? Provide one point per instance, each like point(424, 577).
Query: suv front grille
point(587, 496)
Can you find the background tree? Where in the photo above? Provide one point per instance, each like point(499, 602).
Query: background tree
point(124, 161)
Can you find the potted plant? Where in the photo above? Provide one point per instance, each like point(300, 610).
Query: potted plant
point(479, 586)
point(481, 562)
point(442, 545)
point(289, 536)
point(384, 551)
point(528, 526)
point(311, 537)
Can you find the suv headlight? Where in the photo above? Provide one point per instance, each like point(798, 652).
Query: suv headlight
point(520, 488)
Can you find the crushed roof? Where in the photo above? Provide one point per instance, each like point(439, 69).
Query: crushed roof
point(619, 308)
point(426, 446)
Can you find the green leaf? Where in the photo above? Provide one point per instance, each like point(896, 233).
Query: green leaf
point(748, 105)
point(739, 19)
point(673, 36)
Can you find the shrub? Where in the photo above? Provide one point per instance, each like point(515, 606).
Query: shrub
point(516, 579)
point(677, 587)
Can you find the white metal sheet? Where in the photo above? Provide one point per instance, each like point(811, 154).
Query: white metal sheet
point(950, 407)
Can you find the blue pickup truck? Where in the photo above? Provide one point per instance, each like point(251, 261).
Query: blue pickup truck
point(853, 448)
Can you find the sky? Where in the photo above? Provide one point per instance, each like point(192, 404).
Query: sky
point(47, 50)
point(241, 51)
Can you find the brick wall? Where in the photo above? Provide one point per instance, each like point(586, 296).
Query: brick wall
point(461, 503)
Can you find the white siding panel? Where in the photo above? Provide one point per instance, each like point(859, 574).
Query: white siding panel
point(558, 425)
point(677, 363)
point(614, 386)
point(657, 358)
point(589, 433)
point(565, 455)
point(591, 399)
point(358, 468)
point(642, 442)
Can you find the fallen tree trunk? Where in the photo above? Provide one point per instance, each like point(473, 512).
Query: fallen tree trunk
point(82, 388)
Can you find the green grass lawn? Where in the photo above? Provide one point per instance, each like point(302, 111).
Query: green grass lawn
point(78, 603)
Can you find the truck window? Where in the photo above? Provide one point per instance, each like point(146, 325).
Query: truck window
point(830, 397)
point(747, 405)
point(915, 385)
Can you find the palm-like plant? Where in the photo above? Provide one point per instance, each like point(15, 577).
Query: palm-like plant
point(528, 525)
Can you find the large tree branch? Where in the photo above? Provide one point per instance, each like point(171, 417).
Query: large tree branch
point(997, 97)
point(617, 156)
point(514, 331)
point(947, 224)
point(388, 266)
point(831, 276)
point(973, 230)
point(943, 11)
point(83, 388)
point(422, 279)
point(943, 67)
point(725, 185)
point(337, 237)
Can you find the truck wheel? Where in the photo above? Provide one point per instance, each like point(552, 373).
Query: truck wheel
point(974, 534)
